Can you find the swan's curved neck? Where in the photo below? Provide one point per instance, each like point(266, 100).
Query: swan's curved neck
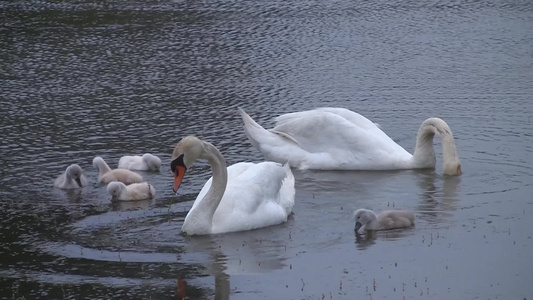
point(122, 192)
point(374, 223)
point(102, 167)
point(202, 214)
point(424, 156)
point(69, 174)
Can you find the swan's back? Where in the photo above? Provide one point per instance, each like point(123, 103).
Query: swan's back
point(132, 192)
point(257, 195)
point(141, 163)
point(122, 175)
point(131, 162)
point(321, 129)
point(353, 117)
point(139, 191)
point(337, 138)
point(390, 219)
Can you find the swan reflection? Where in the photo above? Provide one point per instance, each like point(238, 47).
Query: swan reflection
point(129, 205)
point(248, 252)
point(364, 241)
point(438, 196)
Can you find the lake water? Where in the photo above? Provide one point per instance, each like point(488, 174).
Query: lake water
point(128, 77)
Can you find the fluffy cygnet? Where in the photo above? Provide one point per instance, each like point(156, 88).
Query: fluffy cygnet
point(106, 175)
point(72, 178)
point(366, 219)
point(147, 162)
point(135, 191)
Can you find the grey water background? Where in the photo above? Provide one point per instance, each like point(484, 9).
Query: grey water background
point(113, 78)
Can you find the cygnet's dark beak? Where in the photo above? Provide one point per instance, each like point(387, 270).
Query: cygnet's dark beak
point(78, 181)
point(358, 226)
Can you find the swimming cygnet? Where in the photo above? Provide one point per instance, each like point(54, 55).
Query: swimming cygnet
point(366, 219)
point(147, 162)
point(106, 175)
point(132, 192)
point(72, 178)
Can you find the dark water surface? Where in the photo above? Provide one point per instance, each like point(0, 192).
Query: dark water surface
point(114, 78)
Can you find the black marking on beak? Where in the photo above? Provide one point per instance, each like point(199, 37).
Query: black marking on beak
point(78, 181)
point(358, 226)
point(178, 161)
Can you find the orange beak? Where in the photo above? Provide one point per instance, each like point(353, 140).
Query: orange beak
point(178, 177)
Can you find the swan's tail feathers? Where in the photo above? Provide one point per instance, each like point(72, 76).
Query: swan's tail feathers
point(253, 131)
point(287, 190)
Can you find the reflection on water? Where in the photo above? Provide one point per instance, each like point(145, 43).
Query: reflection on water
point(255, 252)
point(128, 205)
point(370, 238)
point(222, 287)
point(438, 196)
point(151, 236)
point(70, 196)
point(363, 241)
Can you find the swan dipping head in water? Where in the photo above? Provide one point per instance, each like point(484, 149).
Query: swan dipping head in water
point(332, 138)
point(133, 192)
point(424, 155)
point(146, 162)
point(72, 178)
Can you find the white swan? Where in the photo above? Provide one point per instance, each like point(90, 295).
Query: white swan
point(366, 219)
point(147, 162)
point(72, 178)
point(135, 191)
point(241, 197)
point(106, 175)
point(340, 139)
